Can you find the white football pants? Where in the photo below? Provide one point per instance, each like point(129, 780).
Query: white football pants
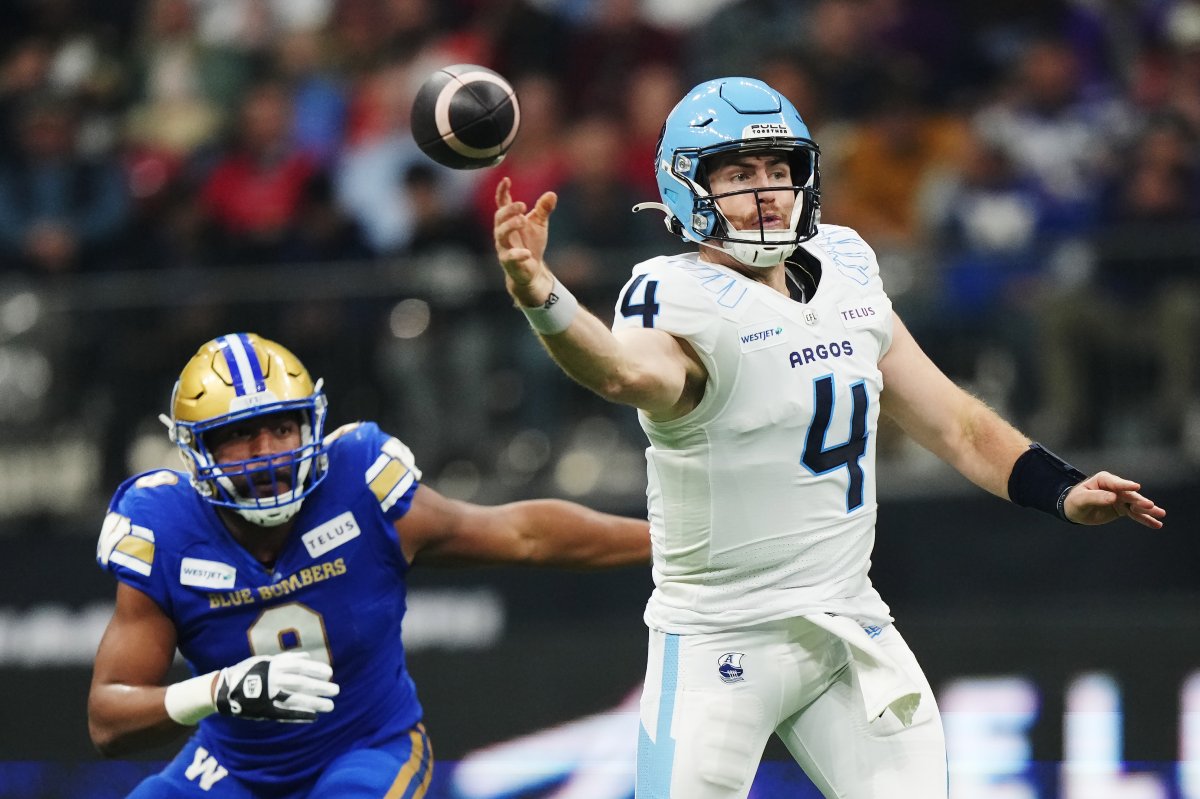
point(711, 701)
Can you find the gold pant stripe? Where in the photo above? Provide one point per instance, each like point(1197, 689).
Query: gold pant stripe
point(418, 763)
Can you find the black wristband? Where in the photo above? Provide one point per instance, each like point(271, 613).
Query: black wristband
point(1041, 480)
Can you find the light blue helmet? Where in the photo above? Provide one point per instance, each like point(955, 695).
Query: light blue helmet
point(735, 115)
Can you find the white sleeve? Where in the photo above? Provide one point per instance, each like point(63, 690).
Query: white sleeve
point(664, 297)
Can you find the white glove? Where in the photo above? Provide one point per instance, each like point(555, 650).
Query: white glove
point(290, 686)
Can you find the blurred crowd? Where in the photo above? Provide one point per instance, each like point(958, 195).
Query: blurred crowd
point(1027, 172)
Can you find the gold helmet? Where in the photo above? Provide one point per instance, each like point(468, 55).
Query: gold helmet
point(237, 377)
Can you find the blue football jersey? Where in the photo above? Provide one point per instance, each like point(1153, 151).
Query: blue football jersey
point(336, 591)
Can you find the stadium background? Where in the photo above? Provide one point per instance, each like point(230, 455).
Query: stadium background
point(174, 169)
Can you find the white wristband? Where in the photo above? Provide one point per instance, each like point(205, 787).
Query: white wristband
point(555, 314)
point(191, 700)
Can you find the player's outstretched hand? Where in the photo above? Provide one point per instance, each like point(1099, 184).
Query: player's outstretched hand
point(520, 238)
point(290, 686)
point(1105, 496)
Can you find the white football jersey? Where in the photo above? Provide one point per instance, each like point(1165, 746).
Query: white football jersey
point(762, 499)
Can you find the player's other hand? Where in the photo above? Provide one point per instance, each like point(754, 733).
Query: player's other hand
point(520, 237)
point(290, 686)
point(1105, 496)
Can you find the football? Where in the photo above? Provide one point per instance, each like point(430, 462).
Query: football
point(465, 116)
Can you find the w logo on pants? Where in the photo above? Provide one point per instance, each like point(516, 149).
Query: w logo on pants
point(205, 768)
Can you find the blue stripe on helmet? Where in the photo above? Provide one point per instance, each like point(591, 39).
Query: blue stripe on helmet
point(235, 372)
point(242, 361)
point(260, 383)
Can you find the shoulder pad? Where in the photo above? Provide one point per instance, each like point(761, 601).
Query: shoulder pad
point(677, 295)
point(392, 473)
point(341, 431)
point(125, 543)
point(127, 535)
point(852, 256)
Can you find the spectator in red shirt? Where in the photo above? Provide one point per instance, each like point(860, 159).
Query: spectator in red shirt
point(251, 196)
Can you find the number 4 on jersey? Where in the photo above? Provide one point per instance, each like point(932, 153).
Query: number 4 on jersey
point(647, 308)
point(819, 460)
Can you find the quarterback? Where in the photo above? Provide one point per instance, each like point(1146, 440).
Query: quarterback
point(760, 363)
point(276, 564)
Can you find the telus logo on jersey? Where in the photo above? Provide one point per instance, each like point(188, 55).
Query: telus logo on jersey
point(857, 314)
point(331, 534)
point(821, 352)
point(761, 335)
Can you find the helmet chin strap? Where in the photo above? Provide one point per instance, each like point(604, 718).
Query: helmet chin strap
point(269, 517)
point(759, 255)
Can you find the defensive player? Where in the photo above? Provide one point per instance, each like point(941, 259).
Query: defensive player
point(760, 365)
point(277, 565)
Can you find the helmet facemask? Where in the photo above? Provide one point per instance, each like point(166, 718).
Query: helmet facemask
point(760, 247)
point(249, 487)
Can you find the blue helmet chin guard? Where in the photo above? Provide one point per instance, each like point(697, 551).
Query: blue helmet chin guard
point(741, 115)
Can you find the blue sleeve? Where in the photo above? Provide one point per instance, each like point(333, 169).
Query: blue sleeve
point(130, 544)
point(388, 467)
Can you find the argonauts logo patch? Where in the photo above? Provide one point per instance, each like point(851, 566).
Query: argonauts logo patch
point(730, 667)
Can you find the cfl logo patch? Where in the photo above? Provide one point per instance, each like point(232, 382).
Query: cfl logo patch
point(729, 666)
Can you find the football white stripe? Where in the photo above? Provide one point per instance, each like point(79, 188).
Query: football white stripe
point(441, 115)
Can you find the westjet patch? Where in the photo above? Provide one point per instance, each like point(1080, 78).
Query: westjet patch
point(206, 573)
point(331, 534)
point(761, 335)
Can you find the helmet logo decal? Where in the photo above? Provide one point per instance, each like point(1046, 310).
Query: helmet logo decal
point(760, 129)
point(241, 403)
point(729, 666)
point(243, 364)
